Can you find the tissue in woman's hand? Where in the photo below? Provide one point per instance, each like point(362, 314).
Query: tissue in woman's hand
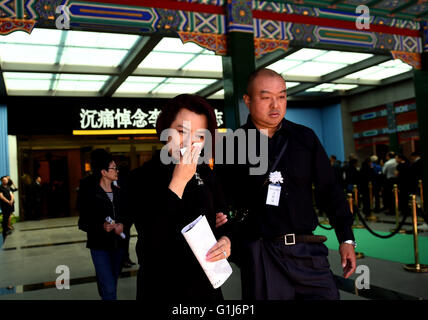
point(196, 144)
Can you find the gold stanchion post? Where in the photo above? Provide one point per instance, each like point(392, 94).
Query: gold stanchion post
point(357, 224)
point(371, 217)
point(397, 213)
point(421, 194)
point(358, 255)
point(416, 267)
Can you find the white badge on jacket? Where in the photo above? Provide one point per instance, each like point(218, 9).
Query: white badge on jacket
point(273, 195)
point(274, 190)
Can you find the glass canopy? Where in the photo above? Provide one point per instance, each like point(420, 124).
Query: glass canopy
point(80, 63)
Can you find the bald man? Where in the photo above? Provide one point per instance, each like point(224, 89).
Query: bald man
point(274, 245)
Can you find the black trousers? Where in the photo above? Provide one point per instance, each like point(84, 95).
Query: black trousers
point(5, 222)
point(388, 196)
point(273, 271)
point(127, 231)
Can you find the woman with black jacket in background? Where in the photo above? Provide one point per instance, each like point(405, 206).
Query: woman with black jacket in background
point(98, 199)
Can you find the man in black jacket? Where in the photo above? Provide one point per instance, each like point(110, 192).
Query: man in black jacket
point(274, 246)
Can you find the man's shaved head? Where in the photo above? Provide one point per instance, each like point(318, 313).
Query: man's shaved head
point(260, 72)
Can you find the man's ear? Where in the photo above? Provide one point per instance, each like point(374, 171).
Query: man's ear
point(247, 100)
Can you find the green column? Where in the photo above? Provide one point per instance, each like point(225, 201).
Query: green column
point(19, 9)
point(239, 62)
point(421, 93)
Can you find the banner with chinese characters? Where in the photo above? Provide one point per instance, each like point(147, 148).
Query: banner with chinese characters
point(119, 118)
point(88, 116)
point(123, 120)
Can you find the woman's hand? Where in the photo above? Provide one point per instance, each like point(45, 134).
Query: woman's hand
point(118, 229)
point(185, 170)
point(221, 250)
point(108, 227)
point(220, 219)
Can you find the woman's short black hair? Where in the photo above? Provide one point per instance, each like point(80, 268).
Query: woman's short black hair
point(100, 159)
point(191, 102)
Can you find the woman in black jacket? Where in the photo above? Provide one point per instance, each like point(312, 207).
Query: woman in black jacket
point(98, 199)
point(166, 197)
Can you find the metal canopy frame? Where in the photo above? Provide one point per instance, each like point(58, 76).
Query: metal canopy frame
point(146, 43)
point(136, 55)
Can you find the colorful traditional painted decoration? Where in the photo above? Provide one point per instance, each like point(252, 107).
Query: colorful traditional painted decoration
point(425, 35)
point(10, 25)
point(272, 21)
point(239, 16)
point(263, 46)
point(213, 42)
point(412, 59)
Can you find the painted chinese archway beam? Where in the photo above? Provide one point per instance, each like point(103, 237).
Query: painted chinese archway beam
point(10, 25)
point(299, 25)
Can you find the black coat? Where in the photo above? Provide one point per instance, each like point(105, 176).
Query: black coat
point(5, 207)
point(168, 268)
point(94, 207)
point(416, 173)
point(304, 163)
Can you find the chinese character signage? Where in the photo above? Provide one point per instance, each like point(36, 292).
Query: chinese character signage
point(124, 118)
point(88, 116)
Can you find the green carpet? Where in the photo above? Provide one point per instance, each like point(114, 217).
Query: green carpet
point(399, 248)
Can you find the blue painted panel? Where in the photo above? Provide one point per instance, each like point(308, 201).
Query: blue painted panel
point(4, 145)
point(333, 131)
point(309, 117)
point(326, 123)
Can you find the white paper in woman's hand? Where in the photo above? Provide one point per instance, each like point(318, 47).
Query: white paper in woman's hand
point(201, 239)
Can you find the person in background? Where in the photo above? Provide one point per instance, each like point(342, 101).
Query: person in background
point(367, 176)
point(337, 169)
point(26, 196)
point(97, 200)
point(345, 167)
point(377, 182)
point(402, 172)
point(388, 171)
point(37, 198)
point(11, 185)
point(352, 175)
point(13, 188)
point(122, 183)
point(416, 172)
point(6, 204)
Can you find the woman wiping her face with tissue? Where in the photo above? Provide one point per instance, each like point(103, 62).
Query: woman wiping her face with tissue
point(169, 192)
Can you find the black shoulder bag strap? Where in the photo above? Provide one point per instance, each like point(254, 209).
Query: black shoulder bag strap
point(277, 159)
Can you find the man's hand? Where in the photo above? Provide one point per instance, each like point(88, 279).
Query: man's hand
point(220, 219)
point(349, 262)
